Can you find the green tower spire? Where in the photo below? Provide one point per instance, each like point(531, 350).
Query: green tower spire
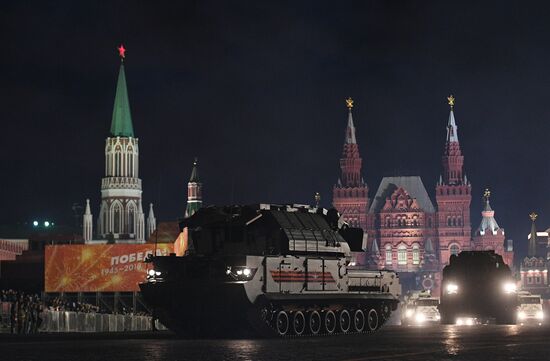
point(121, 124)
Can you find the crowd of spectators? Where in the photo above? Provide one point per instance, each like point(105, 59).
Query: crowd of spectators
point(26, 310)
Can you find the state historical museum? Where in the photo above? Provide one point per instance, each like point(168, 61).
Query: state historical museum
point(404, 230)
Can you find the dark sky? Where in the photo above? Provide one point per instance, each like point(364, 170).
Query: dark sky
point(256, 90)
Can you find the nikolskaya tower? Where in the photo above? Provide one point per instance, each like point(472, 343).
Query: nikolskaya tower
point(121, 218)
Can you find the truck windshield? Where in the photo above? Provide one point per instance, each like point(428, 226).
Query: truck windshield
point(428, 302)
point(529, 300)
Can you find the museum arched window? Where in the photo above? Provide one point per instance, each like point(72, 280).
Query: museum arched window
point(416, 254)
point(402, 255)
point(389, 254)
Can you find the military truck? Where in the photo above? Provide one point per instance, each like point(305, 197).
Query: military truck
point(478, 287)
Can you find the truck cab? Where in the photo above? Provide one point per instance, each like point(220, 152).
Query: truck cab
point(420, 308)
point(529, 309)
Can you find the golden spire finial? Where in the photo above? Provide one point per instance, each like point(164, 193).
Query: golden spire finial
point(451, 100)
point(533, 216)
point(487, 193)
point(349, 103)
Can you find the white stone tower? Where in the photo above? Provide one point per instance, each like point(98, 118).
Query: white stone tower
point(151, 222)
point(87, 226)
point(121, 216)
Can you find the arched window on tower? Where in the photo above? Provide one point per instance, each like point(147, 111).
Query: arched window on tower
point(459, 221)
point(449, 221)
point(116, 218)
point(454, 249)
point(118, 162)
point(130, 165)
point(388, 221)
point(389, 254)
point(402, 255)
point(131, 219)
point(454, 221)
point(416, 254)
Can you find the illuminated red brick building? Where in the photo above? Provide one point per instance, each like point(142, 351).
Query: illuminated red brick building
point(404, 230)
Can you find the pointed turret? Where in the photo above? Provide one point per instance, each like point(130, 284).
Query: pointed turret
point(452, 134)
point(121, 123)
point(87, 226)
point(350, 131)
point(140, 229)
point(350, 193)
point(374, 248)
point(452, 160)
point(151, 221)
point(194, 191)
point(532, 249)
point(429, 247)
point(488, 222)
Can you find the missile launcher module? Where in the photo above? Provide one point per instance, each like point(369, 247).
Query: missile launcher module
point(269, 270)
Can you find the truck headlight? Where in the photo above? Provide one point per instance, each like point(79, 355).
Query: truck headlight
point(452, 288)
point(419, 318)
point(509, 287)
point(151, 272)
point(409, 313)
point(521, 315)
point(540, 315)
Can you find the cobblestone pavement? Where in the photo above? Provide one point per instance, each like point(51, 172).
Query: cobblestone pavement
point(391, 343)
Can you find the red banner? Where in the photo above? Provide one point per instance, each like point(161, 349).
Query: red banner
point(98, 268)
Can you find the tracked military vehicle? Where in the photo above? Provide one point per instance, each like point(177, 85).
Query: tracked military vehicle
point(269, 270)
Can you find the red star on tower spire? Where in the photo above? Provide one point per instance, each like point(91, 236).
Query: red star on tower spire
point(121, 52)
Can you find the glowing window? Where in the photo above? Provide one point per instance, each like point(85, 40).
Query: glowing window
point(389, 254)
point(402, 255)
point(416, 254)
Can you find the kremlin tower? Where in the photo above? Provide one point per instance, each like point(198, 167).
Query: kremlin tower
point(194, 191)
point(350, 194)
point(121, 217)
point(453, 196)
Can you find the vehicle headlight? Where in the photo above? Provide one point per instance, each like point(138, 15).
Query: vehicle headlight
point(509, 287)
point(151, 272)
point(521, 315)
point(409, 313)
point(419, 318)
point(157, 273)
point(459, 321)
point(241, 273)
point(437, 317)
point(452, 288)
point(540, 315)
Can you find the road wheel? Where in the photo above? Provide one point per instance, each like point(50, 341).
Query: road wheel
point(330, 322)
point(359, 320)
point(299, 323)
point(372, 319)
point(281, 323)
point(344, 321)
point(314, 322)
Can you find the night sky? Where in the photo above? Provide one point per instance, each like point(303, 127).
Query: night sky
point(256, 90)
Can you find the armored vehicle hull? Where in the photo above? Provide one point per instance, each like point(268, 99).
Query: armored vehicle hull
point(268, 271)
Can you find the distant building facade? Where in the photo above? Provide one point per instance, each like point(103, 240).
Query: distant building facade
point(534, 267)
point(404, 230)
